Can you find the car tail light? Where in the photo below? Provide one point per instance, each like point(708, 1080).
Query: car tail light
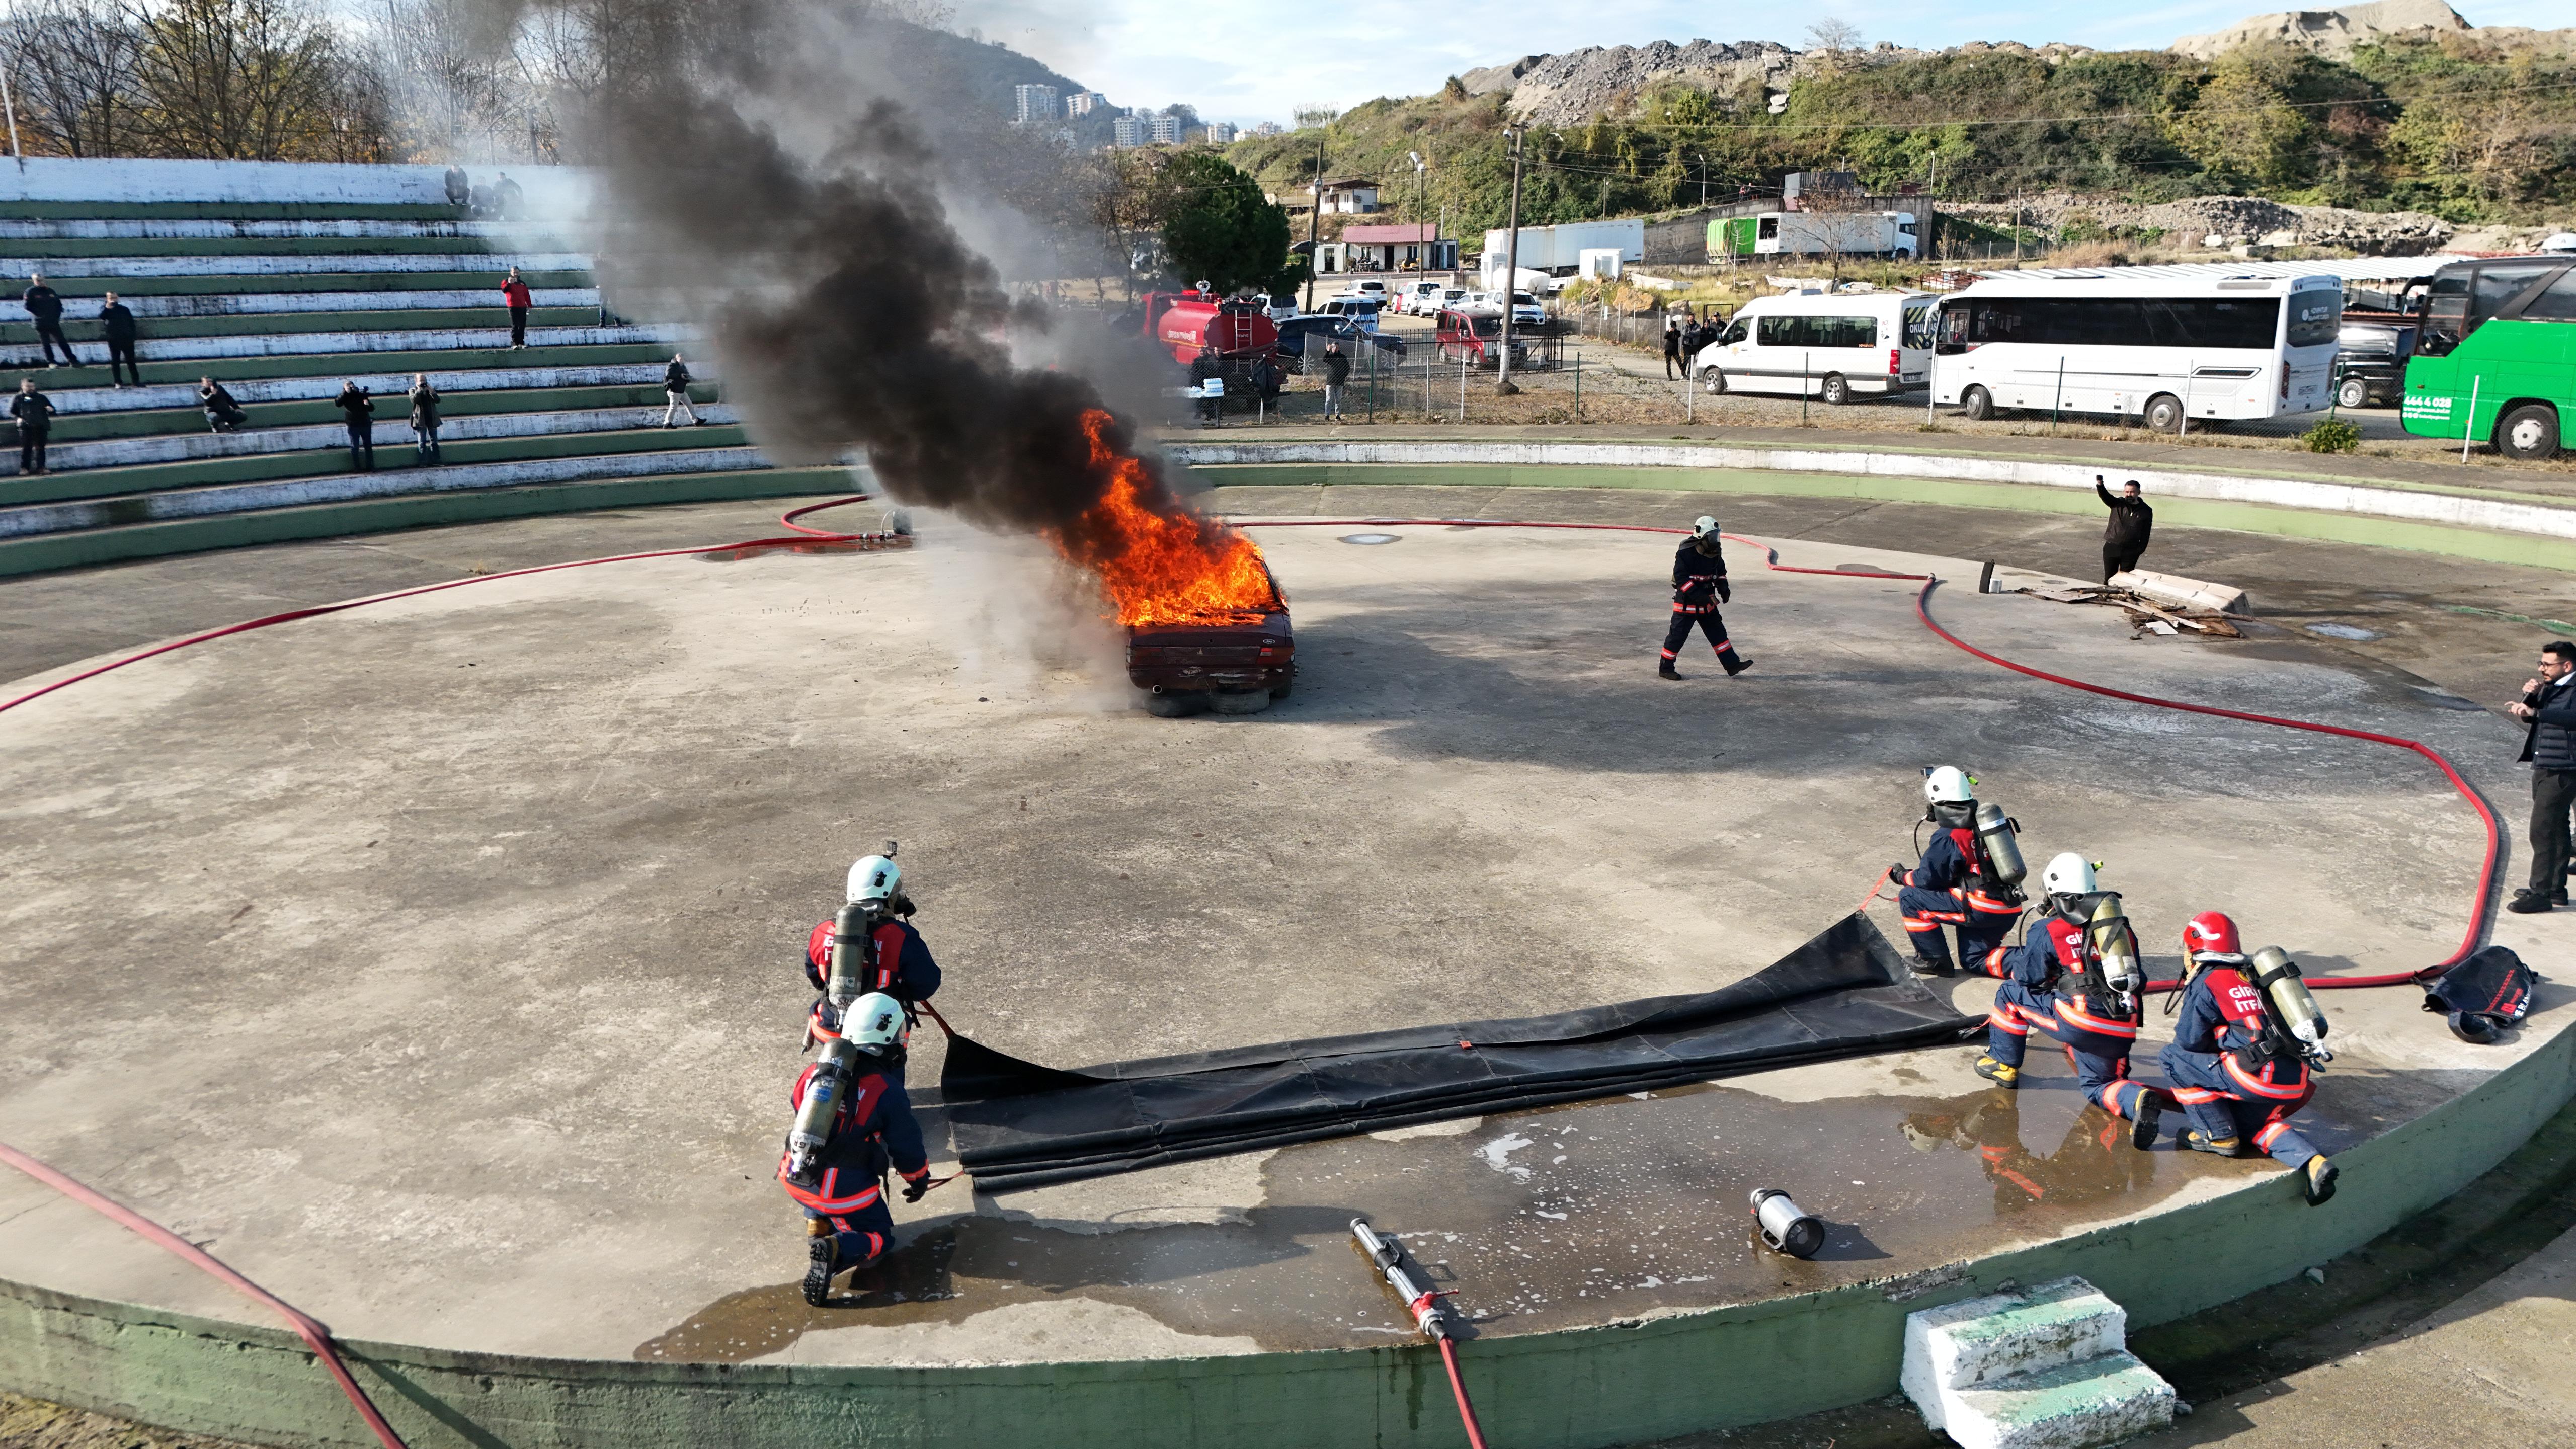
point(1895, 361)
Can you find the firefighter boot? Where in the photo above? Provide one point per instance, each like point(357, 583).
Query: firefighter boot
point(1668, 671)
point(819, 1269)
point(1740, 665)
point(2317, 1179)
point(1999, 1074)
point(2151, 1111)
point(1923, 965)
point(2199, 1141)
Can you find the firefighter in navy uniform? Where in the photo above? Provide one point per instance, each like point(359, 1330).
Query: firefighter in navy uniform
point(2236, 1069)
point(2075, 978)
point(1958, 881)
point(898, 962)
point(1699, 586)
point(842, 1189)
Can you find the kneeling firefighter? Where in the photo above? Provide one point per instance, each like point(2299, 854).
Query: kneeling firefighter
point(868, 947)
point(1699, 586)
point(853, 1121)
point(1969, 876)
point(2246, 1050)
point(2075, 977)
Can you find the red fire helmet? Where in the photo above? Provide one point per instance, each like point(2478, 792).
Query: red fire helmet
point(2211, 936)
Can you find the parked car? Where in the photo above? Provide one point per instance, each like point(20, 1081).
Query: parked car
point(1298, 335)
point(1374, 290)
point(1361, 310)
point(1476, 338)
point(2370, 363)
point(1279, 308)
point(1526, 311)
point(1420, 299)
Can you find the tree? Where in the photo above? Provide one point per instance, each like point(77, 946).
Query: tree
point(73, 65)
point(240, 80)
point(1217, 226)
point(2244, 127)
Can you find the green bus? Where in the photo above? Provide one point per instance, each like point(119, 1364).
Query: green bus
point(2495, 354)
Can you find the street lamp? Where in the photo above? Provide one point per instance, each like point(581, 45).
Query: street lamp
point(1422, 249)
point(1511, 269)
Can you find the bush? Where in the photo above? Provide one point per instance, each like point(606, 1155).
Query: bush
point(2332, 435)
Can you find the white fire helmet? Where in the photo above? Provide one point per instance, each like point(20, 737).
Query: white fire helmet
point(2068, 874)
point(875, 1021)
point(1704, 527)
point(875, 878)
point(1949, 785)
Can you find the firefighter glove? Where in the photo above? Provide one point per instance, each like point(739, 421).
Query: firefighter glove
point(1896, 873)
point(1725, 595)
point(916, 1191)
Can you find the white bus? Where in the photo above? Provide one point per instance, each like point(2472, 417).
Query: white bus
point(2160, 349)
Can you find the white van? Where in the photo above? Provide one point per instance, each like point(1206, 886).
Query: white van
point(1834, 347)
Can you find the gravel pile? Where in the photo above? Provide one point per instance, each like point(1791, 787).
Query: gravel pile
point(2234, 220)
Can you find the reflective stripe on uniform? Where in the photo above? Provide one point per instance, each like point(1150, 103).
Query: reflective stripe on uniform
point(2003, 1020)
point(821, 1199)
point(2260, 1087)
point(2082, 1020)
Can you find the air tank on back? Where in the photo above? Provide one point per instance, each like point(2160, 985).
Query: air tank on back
point(2115, 945)
point(2293, 1005)
point(2002, 842)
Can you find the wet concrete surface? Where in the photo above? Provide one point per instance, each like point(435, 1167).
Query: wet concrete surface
point(488, 904)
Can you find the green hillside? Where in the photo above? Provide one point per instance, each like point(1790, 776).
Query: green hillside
point(2458, 128)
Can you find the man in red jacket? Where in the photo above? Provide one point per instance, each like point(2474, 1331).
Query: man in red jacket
point(515, 292)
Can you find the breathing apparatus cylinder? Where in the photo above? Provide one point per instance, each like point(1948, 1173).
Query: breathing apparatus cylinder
point(1784, 1226)
point(2115, 945)
point(849, 978)
point(834, 1067)
point(2003, 844)
point(2294, 1007)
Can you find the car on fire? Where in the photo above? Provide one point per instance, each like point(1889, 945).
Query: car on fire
point(1234, 663)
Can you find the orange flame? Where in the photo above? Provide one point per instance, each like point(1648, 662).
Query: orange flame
point(1165, 565)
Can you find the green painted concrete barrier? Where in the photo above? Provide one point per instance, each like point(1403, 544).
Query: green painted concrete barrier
point(242, 246)
point(343, 364)
point(1617, 1383)
point(162, 422)
point(2354, 528)
point(226, 211)
point(267, 324)
point(383, 515)
point(249, 282)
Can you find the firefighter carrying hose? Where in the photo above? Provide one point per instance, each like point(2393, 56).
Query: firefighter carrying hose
point(1699, 586)
point(2074, 977)
point(2243, 1055)
point(1969, 876)
point(885, 953)
point(835, 1168)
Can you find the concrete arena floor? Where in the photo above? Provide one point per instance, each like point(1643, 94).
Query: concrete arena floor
point(453, 937)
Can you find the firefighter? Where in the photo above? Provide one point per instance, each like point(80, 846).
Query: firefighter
point(2056, 983)
point(847, 1223)
point(2235, 1072)
point(897, 962)
point(1699, 586)
point(1956, 881)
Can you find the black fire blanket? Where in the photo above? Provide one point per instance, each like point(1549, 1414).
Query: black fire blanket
point(1017, 1124)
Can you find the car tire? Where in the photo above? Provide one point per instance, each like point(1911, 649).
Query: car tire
point(2528, 433)
point(2352, 392)
point(1977, 405)
point(1835, 390)
point(1242, 701)
point(2164, 413)
point(1716, 381)
point(1174, 705)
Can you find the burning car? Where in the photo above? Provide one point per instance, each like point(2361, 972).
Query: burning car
point(1235, 661)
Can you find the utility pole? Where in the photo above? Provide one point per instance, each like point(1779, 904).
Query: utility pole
point(1422, 253)
point(1703, 181)
point(1511, 270)
point(11, 103)
point(1315, 219)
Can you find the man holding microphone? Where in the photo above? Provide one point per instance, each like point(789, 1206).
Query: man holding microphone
point(2549, 706)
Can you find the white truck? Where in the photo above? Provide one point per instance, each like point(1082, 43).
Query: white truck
point(1814, 234)
point(1558, 250)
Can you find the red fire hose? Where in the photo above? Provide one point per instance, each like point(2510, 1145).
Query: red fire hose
point(803, 535)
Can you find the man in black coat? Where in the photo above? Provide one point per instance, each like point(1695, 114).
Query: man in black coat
point(46, 305)
point(2125, 537)
point(2549, 747)
point(117, 321)
point(1204, 369)
point(1337, 375)
point(35, 414)
point(1672, 345)
point(359, 411)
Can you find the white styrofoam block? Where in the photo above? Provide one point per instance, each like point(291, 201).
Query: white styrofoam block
point(292, 265)
point(2083, 1405)
point(545, 188)
point(1962, 1345)
point(2173, 590)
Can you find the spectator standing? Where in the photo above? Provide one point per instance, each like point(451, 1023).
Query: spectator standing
point(46, 305)
point(1672, 345)
point(1207, 367)
point(675, 393)
point(222, 413)
point(515, 293)
point(424, 420)
point(35, 414)
point(2549, 747)
point(460, 192)
point(1267, 380)
point(2124, 538)
point(505, 197)
point(1337, 373)
point(358, 410)
point(1694, 337)
point(117, 321)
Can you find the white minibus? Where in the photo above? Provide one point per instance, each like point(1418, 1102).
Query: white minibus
point(1835, 346)
point(2161, 349)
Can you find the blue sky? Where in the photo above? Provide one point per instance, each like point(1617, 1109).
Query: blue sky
point(1252, 64)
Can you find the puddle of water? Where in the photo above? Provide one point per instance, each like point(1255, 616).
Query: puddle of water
point(2343, 631)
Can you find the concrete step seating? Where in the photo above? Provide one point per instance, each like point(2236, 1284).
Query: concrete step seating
point(283, 299)
point(2035, 1368)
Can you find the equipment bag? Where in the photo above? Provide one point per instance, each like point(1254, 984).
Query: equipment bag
point(2494, 984)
